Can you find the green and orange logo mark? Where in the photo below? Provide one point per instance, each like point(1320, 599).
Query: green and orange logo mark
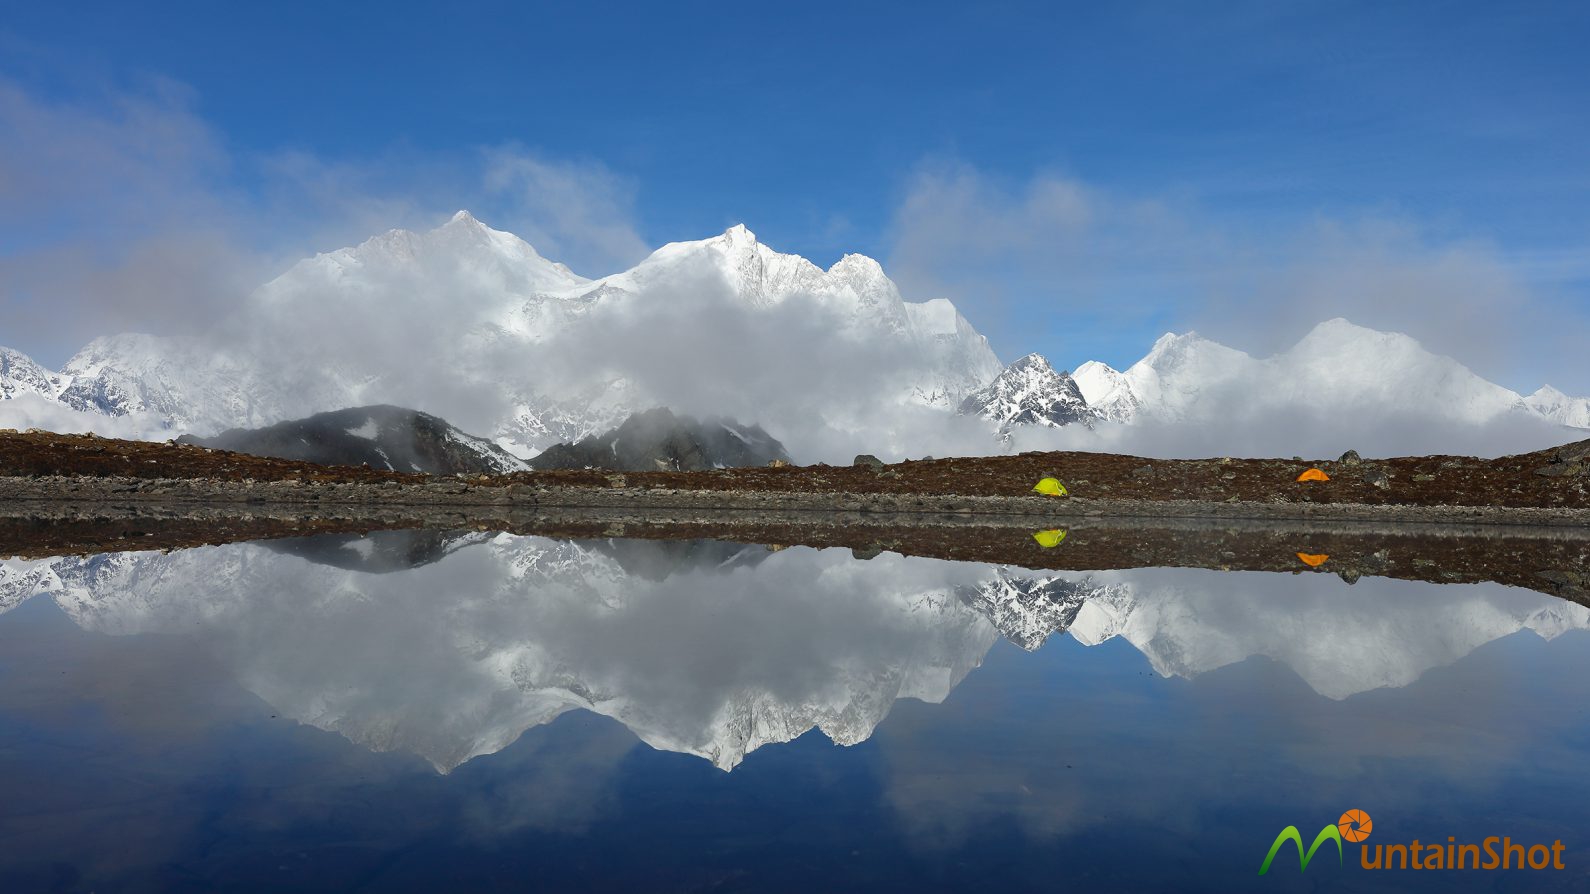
point(1493, 852)
point(1354, 826)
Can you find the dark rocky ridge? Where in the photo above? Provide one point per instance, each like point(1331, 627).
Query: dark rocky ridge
point(657, 440)
point(381, 437)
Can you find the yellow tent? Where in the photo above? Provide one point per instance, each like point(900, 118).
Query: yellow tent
point(1051, 487)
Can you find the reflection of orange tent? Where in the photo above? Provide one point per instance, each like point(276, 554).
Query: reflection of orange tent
point(1313, 475)
point(1312, 560)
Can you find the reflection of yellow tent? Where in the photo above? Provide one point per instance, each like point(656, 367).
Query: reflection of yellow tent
point(1048, 539)
point(1051, 487)
point(1313, 475)
point(1312, 560)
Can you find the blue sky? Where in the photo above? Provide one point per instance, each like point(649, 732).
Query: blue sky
point(1118, 169)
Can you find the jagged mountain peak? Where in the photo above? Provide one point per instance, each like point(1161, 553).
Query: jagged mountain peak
point(737, 239)
point(462, 238)
point(857, 265)
point(1559, 407)
point(1339, 338)
point(752, 271)
point(1177, 349)
point(21, 374)
point(1107, 390)
point(739, 234)
point(1029, 392)
point(1035, 362)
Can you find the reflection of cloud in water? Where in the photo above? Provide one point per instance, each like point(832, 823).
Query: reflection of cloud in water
point(1341, 640)
point(457, 657)
point(1392, 688)
point(717, 649)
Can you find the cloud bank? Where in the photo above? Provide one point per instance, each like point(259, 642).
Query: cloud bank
point(127, 211)
point(1090, 267)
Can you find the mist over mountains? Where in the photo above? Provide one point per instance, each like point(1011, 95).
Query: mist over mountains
point(473, 325)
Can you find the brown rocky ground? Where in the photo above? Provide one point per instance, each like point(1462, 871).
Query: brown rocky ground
point(1557, 478)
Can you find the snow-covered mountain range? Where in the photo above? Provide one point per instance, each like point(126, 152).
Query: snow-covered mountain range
point(1337, 365)
point(473, 325)
point(715, 649)
point(1560, 408)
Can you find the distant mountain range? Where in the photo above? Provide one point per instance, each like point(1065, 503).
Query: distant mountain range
point(1337, 368)
point(473, 325)
point(383, 437)
point(491, 313)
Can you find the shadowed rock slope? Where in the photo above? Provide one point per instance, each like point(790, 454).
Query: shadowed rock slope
point(657, 440)
point(381, 437)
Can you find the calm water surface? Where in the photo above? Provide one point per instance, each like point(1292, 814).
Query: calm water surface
point(427, 712)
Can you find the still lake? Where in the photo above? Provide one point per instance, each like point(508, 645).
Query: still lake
point(417, 711)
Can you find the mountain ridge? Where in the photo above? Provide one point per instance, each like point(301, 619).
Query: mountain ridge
point(315, 338)
point(515, 352)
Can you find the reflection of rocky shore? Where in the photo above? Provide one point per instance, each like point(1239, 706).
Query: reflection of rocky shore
point(1551, 559)
point(711, 648)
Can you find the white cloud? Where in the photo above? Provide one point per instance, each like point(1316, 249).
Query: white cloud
point(130, 212)
point(27, 411)
point(1091, 267)
point(579, 213)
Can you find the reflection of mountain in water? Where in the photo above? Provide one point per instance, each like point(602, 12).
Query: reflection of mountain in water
point(1341, 640)
point(377, 552)
point(708, 648)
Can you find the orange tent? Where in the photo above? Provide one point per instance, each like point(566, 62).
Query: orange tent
point(1312, 560)
point(1313, 475)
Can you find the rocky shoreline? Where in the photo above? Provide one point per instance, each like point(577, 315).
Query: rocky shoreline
point(1552, 559)
point(1558, 479)
point(423, 491)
